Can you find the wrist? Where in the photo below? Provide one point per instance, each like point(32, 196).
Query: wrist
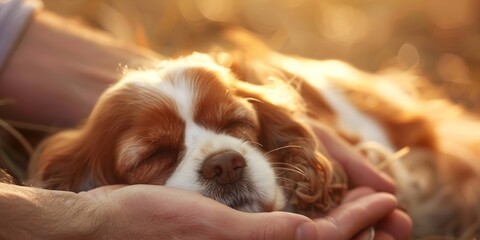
point(31, 213)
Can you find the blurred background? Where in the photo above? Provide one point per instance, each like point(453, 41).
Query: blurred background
point(440, 39)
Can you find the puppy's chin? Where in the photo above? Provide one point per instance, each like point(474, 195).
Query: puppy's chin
point(250, 201)
point(257, 207)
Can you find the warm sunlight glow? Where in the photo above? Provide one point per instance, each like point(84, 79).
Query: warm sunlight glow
point(439, 38)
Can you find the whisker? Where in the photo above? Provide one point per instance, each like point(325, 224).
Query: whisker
point(286, 164)
point(254, 143)
point(289, 188)
point(280, 148)
point(291, 166)
point(292, 170)
point(293, 181)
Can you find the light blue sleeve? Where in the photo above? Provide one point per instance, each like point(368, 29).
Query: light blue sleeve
point(14, 17)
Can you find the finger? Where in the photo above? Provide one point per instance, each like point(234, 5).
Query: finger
point(273, 225)
point(352, 217)
point(360, 172)
point(366, 234)
point(380, 235)
point(357, 193)
point(397, 224)
point(372, 234)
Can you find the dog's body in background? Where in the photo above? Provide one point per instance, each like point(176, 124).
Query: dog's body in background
point(236, 125)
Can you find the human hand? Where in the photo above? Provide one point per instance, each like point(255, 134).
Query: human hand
point(157, 212)
point(136, 212)
point(365, 180)
point(359, 171)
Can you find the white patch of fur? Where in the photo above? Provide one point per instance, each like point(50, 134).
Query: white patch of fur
point(182, 93)
point(350, 118)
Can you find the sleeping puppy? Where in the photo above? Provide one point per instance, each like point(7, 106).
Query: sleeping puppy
point(191, 124)
point(237, 126)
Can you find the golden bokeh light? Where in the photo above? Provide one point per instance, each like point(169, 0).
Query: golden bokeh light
point(408, 56)
point(429, 36)
point(343, 23)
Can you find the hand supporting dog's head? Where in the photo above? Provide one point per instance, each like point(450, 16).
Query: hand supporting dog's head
point(192, 124)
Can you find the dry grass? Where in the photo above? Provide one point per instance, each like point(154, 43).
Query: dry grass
point(17, 141)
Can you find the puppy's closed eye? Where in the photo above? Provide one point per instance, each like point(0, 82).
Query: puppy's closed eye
point(243, 129)
point(153, 169)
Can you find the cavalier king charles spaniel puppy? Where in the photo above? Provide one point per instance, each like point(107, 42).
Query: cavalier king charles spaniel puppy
point(191, 124)
point(237, 126)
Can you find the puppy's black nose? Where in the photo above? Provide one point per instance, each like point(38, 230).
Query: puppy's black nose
point(224, 167)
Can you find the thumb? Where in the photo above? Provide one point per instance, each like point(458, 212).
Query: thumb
point(274, 225)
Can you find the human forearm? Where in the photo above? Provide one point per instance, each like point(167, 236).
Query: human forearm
point(31, 213)
point(59, 69)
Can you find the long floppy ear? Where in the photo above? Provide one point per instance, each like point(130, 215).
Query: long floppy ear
point(312, 183)
point(83, 158)
point(62, 163)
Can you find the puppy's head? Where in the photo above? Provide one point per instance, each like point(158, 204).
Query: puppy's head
point(191, 124)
